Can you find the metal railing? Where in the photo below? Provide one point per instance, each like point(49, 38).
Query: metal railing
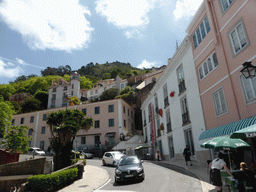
point(182, 86)
point(185, 118)
point(169, 127)
point(166, 102)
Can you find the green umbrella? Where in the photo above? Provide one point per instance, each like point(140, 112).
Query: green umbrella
point(224, 143)
point(245, 133)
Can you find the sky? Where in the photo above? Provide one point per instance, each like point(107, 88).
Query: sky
point(36, 34)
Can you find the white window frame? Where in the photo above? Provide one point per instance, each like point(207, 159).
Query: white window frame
point(205, 30)
point(83, 143)
point(237, 36)
point(242, 78)
point(206, 61)
point(222, 111)
point(222, 6)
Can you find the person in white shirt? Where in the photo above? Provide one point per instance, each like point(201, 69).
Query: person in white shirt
point(216, 165)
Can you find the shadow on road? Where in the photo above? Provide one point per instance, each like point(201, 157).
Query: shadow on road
point(175, 168)
point(122, 183)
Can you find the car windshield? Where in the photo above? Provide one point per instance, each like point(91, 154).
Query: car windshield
point(117, 155)
point(129, 161)
point(38, 149)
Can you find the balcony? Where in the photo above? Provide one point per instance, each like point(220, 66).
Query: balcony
point(158, 132)
point(166, 102)
point(182, 86)
point(169, 127)
point(185, 118)
point(53, 98)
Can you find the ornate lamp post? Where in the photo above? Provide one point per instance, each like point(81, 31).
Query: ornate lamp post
point(249, 71)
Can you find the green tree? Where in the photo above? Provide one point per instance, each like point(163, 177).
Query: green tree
point(64, 126)
point(43, 97)
point(109, 94)
point(6, 112)
point(16, 140)
point(85, 83)
point(128, 94)
point(16, 107)
point(30, 105)
point(74, 99)
point(6, 91)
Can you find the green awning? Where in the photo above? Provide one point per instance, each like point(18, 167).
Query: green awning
point(245, 133)
point(110, 134)
point(228, 129)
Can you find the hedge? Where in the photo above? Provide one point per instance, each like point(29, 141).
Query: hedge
point(52, 181)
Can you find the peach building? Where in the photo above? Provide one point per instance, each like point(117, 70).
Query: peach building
point(223, 34)
point(111, 118)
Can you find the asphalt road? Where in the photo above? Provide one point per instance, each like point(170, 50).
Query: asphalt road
point(157, 179)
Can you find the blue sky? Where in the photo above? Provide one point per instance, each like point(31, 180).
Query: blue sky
point(37, 34)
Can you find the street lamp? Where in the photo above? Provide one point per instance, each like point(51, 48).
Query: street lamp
point(249, 71)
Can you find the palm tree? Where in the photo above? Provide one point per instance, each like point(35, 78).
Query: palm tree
point(64, 126)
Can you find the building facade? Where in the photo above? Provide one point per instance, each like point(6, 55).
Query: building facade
point(172, 114)
point(223, 39)
point(111, 119)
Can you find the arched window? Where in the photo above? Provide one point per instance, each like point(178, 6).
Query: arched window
point(215, 60)
point(205, 69)
point(210, 65)
point(201, 74)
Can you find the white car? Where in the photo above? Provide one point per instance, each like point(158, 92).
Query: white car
point(36, 151)
point(112, 158)
point(86, 155)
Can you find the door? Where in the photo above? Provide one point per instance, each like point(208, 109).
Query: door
point(111, 141)
point(160, 148)
point(189, 140)
point(96, 140)
point(171, 147)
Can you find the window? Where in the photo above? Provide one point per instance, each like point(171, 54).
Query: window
point(44, 117)
point(53, 96)
point(124, 123)
point(201, 32)
point(84, 111)
point(238, 38)
point(249, 86)
point(30, 131)
point(91, 92)
point(111, 108)
point(156, 102)
point(29, 143)
point(111, 123)
point(43, 130)
point(72, 86)
point(144, 114)
point(32, 119)
point(83, 140)
point(42, 145)
point(225, 4)
point(97, 110)
point(181, 80)
point(124, 109)
point(128, 111)
point(149, 119)
point(184, 111)
point(72, 93)
point(22, 120)
point(65, 88)
point(131, 114)
point(13, 121)
point(168, 121)
point(189, 140)
point(96, 140)
point(208, 66)
point(219, 102)
point(97, 124)
point(96, 91)
point(54, 90)
point(166, 101)
point(122, 86)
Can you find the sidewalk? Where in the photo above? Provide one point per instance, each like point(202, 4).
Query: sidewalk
point(93, 178)
point(201, 171)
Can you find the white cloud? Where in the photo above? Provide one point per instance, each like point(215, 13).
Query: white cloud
point(125, 13)
point(145, 64)
point(134, 33)
point(186, 8)
point(9, 70)
point(48, 24)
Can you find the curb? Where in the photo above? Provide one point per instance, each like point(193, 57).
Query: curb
point(104, 182)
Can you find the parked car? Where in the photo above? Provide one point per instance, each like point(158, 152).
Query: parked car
point(86, 155)
point(129, 167)
point(36, 151)
point(112, 158)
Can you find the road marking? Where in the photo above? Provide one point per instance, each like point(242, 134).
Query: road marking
point(104, 184)
point(112, 191)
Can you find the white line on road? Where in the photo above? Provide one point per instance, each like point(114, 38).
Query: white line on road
point(113, 191)
point(103, 185)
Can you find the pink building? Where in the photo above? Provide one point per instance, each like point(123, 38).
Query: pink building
point(111, 119)
point(223, 34)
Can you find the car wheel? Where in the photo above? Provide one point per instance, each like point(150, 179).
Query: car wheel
point(117, 182)
point(103, 162)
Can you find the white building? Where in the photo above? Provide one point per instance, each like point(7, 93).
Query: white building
point(174, 101)
point(103, 85)
point(59, 91)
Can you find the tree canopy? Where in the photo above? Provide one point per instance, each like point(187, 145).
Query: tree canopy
point(109, 94)
point(30, 105)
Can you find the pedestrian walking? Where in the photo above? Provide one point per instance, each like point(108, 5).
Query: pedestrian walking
point(216, 165)
point(187, 154)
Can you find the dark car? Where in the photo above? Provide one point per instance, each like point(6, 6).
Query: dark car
point(129, 168)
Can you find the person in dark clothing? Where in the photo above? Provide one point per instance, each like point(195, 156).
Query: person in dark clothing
point(187, 154)
point(245, 178)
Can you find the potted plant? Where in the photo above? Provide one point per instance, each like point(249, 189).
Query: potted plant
point(161, 128)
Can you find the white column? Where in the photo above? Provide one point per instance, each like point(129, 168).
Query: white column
point(36, 129)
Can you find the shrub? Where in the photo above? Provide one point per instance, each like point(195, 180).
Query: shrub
point(52, 181)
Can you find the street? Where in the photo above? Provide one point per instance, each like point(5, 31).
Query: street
point(157, 178)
